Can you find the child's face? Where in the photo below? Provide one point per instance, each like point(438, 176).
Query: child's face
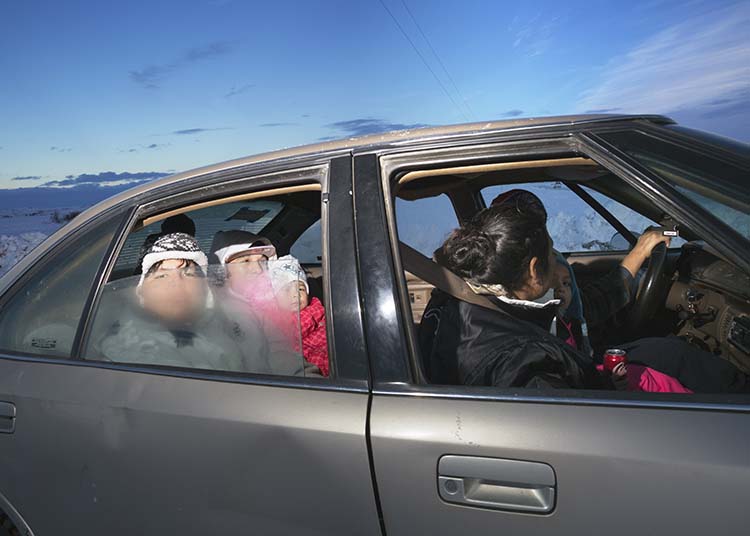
point(563, 290)
point(245, 268)
point(292, 297)
point(175, 292)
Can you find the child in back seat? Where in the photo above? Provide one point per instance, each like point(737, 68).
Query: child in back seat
point(293, 295)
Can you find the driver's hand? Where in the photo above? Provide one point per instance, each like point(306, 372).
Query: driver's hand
point(649, 240)
point(642, 250)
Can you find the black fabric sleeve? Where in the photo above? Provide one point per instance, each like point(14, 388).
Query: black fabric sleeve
point(605, 296)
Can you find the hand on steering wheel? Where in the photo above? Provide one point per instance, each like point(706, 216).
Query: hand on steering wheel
point(655, 283)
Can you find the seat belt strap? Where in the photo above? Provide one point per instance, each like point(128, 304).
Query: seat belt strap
point(442, 278)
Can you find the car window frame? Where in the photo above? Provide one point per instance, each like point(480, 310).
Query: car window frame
point(247, 184)
point(394, 164)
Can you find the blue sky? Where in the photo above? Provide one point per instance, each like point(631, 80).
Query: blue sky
point(99, 93)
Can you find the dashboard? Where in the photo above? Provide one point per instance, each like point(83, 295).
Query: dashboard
point(712, 300)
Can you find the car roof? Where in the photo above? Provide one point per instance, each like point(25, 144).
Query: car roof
point(383, 139)
point(346, 144)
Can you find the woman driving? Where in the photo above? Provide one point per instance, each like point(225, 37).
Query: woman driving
point(505, 254)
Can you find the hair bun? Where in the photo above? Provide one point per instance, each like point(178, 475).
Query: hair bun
point(467, 251)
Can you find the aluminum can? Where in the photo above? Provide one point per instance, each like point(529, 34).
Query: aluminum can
point(614, 358)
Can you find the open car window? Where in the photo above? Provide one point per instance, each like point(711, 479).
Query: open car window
point(425, 223)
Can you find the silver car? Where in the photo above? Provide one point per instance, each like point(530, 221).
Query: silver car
point(99, 442)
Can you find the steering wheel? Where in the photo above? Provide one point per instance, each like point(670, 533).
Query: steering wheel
point(652, 289)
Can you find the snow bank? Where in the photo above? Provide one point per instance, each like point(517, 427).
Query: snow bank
point(22, 229)
point(14, 247)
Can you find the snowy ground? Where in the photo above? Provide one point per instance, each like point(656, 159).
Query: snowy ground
point(22, 229)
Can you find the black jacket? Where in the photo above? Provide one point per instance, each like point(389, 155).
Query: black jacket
point(466, 344)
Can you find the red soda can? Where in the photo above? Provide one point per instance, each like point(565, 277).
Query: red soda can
point(615, 360)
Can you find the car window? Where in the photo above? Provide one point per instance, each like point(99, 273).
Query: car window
point(42, 316)
point(212, 289)
point(424, 224)
point(572, 223)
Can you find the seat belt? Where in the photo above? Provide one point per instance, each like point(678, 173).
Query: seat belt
point(441, 278)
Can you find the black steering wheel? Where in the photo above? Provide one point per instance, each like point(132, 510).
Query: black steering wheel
point(651, 290)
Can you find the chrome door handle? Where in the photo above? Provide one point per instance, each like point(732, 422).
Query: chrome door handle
point(497, 483)
point(7, 417)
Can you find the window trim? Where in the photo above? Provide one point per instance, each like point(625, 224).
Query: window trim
point(392, 165)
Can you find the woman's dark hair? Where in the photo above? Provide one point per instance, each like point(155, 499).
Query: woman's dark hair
point(497, 246)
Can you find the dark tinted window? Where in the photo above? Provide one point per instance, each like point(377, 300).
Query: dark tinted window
point(42, 316)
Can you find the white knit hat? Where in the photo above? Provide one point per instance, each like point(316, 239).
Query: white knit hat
point(173, 246)
point(285, 270)
point(228, 252)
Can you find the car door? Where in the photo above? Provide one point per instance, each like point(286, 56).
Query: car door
point(479, 460)
point(105, 448)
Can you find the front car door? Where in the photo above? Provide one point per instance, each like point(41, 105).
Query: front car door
point(128, 448)
point(478, 460)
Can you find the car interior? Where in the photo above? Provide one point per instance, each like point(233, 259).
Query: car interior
point(688, 290)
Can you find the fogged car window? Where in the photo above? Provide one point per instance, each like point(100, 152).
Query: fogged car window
point(43, 316)
point(233, 305)
point(424, 224)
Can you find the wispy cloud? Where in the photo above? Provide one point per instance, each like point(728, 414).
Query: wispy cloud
point(107, 177)
point(273, 125)
point(512, 113)
point(151, 76)
point(700, 63)
point(239, 90)
point(533, 36)
point(149, 147)
point(28, 178)
point(364, 126)
point(188, 131)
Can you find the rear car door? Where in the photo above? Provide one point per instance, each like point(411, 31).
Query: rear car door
point(480, 460)
point(95, 447)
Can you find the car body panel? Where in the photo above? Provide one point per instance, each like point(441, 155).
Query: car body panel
point(106, 451)
point(619, 471)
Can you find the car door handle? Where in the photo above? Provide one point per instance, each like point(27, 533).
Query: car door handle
point(7, 417)
point(497, 483)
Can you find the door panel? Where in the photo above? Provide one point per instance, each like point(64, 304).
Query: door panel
point(102, 451)
point(617, 470)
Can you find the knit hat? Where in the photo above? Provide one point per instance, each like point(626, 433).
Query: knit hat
point(227, 244)
point(173, 246)
point(286, 270)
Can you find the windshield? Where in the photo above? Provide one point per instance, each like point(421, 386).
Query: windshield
point(715, 181)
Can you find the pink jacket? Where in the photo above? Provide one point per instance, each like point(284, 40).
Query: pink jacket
point(643, 378)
